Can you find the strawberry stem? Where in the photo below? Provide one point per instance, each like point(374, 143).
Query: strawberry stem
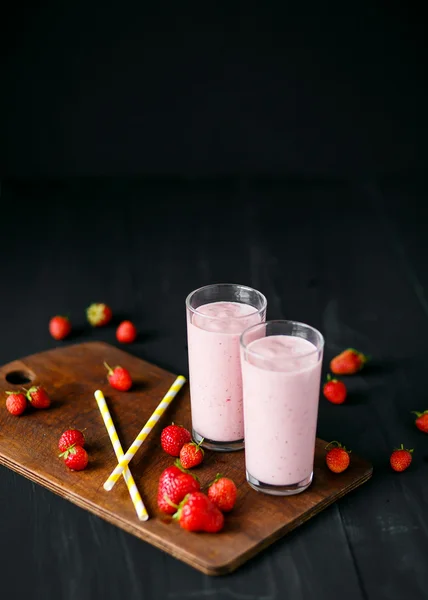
point(109, 369)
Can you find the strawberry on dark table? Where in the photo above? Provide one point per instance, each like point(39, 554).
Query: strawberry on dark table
point(59, 327)
point(99, 314)
point(348, 362)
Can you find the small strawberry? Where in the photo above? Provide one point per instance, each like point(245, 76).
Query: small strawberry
point(126, 332)
point(16, 403)
point(76, 458)
point(99, 314)
point(71, 437)
point(337, 457)
point(59, 327)
point(191, 454)
point(198, 513)
point(173, 439)
point(222, 491)
point(422, 420)
point(38, 397)
point(348, 362)
point(119, 378)
point(334, 390)
point(401, 458)
point(174, 485)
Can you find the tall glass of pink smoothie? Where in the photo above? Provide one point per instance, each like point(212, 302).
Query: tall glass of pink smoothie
point(216, 316)
point(281, 372)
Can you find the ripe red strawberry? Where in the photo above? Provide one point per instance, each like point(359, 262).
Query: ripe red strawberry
point(174, 485)
point(38, 397)
point(348, 362)
point(198, 513)
point(223, 492)
point(71, 437)
point(191, 455)
point(126, 332)
point(422, 420)
point(99, 314)
point(119, 378)
point(16, 403)
point(173, 439)
point(337, 457)
point(59, 327)
point(76, 458)
point(401, 458)
point(334, 390)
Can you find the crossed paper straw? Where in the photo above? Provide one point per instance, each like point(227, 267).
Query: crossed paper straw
point(162, 406)
point(111, 430)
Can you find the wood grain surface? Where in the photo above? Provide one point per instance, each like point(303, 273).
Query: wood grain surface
point(71, 375)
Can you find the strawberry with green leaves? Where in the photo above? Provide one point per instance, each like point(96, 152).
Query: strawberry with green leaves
point(191, 454)
point(38, 397)
point(421, 421)
point(348, 362)
point(400, 459)
point(334, 390)
point(222, 491)
point(76, 458)
point(337, 457)
point(99, 314)
point(174, 484)
point(198, 513)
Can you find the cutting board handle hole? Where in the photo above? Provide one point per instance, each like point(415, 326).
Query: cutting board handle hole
point(20, 377)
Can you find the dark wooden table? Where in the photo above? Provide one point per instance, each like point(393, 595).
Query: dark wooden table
point(347, 257)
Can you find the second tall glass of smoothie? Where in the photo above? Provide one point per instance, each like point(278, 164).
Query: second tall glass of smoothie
point(216, 316)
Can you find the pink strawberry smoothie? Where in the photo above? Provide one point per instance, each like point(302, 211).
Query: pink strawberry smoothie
point(281, 375)
point(215, 368)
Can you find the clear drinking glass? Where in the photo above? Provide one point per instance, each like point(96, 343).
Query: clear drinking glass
point(281, 372)
point(216, 316)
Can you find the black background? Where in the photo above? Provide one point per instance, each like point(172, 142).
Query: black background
point(149, 150)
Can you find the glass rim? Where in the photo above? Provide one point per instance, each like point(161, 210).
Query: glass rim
point(236, 285)
point(317, 348)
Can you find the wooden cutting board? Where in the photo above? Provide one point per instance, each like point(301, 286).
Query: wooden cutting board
point(71, 375)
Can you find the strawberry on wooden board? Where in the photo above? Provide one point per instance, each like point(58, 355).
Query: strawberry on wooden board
point(126, 333)
point(174, 485)
point(401, 458)
point(222, 491)
point(59, 327)
point(99, 314)
point(198, 513)
point(119, 378)
point(334, 390)
point(191, 454)
point(421, 421)
point(348, 362)
point(38, 397)
point(173, 438)
point(71, 437)
point(337, 457)
point(16, 403)
point(76, 458)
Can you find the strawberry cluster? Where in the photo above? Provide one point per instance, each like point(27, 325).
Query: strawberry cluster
point(349, 362)
point(98, 314)
point(179, 490)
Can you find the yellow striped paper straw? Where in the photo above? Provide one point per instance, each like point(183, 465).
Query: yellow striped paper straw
point(162, 406)
point(111, 430)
